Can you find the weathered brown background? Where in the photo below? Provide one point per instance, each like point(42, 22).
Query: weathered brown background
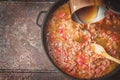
point(21, 53)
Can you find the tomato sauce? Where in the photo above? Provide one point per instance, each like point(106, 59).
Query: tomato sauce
point(69, 44)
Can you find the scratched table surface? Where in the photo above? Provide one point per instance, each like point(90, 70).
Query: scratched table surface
point(21, 54)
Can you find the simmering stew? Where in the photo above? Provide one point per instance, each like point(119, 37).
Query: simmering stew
point(68, 44)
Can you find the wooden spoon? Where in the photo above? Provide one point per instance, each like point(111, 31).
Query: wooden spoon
point(101, 51)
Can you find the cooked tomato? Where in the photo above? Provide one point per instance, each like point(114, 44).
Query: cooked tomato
point(69, 44)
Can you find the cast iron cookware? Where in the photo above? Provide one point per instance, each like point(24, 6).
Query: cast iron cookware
point(43, 38)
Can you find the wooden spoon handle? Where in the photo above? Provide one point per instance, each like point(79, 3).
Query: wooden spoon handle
point(112, 58)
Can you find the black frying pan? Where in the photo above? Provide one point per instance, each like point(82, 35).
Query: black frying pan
point(43, 38)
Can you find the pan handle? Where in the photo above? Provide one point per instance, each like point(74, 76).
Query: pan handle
point(39, 15)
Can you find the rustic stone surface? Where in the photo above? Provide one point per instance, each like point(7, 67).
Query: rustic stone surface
point(32, 0)
point(33, 76)
point(20, 41)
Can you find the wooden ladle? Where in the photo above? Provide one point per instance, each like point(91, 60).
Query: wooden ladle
point(101, 51)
